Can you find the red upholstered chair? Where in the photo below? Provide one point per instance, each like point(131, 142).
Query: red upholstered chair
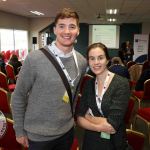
point(130, 63)
point(10, 72)
point(4, 102)
point(135, 73)
point(143, 95)
point(77, 106)
point(8, 141)
point(144, 115)
point(17, 52)
point(146, 65)
point(75, 145)
point(4, 84)
point(3, 52)
point(129, 113)
point(7, 55)
point(12, 52)
point(132, 84)
point(135, 139)
point(84, 79)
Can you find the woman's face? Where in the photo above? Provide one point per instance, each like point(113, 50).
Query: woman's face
point(97, 60)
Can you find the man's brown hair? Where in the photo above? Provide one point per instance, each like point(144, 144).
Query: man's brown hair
point(67, 13)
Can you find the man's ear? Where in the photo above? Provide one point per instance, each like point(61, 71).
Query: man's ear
point(78, 32)
point(54, 30)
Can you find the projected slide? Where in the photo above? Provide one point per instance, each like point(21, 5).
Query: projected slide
point(107, 34)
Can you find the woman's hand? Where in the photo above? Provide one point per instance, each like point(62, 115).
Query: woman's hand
point(101, 123)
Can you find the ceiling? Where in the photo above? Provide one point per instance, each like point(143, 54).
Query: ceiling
point(130, 11)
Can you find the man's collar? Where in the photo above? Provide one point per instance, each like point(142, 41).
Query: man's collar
point(54, 49)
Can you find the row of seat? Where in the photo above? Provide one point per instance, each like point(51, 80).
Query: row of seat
point(142, 97)
point(143, 100)
point(132, 135)
point(145, 64)
point(7, 54)
point(135, 70)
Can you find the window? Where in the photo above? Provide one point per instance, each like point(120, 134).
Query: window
point(15, 41)
point(21, 42)
point(7, 39)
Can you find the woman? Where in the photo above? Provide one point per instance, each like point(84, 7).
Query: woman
point(15, 63)
point(103, 104)
point(2, 63)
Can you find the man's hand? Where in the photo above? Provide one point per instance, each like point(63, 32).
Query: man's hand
point(23, 140)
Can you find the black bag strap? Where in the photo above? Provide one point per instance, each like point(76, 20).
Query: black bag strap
point(61, 73)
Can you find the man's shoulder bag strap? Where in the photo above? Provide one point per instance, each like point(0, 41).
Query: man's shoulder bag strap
point(61, 73)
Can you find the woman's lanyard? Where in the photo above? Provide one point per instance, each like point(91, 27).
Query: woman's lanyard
point(71, 81)
point(99, 98)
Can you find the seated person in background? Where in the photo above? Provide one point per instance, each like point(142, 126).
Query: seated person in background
point(119, 68)
point(15, 63)
point(140, 83)
point(2, 63)
point(121, 55)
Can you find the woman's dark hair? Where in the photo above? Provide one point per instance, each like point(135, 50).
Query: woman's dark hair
point(1, 56)
point(67, 13)
point(100, 45)
point(14, 58)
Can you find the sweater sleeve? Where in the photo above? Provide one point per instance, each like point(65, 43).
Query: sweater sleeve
point(119, 103)
point(20, 96)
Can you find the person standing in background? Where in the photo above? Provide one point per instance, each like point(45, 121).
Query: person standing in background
point(103, 104)
point(128, 51)
point(40, 103)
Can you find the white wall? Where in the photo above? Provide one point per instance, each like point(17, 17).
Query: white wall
point(33, 26)
point(36, 25)
point(12, 21)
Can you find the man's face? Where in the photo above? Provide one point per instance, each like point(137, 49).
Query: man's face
point(66, 31)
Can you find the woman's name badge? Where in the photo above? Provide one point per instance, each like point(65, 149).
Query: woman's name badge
point(105, 135)
point(66, 97)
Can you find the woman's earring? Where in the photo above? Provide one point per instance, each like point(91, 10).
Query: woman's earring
point(75, 41)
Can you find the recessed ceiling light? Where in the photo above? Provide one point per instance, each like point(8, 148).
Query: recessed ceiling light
point(37, 13)
point(112, 11)
point(111, 19)
point(4, 0)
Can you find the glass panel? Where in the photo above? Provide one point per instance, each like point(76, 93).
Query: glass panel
point(21, 43)
point(7, 40)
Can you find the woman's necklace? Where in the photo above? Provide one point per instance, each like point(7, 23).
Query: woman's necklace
point(100, 97)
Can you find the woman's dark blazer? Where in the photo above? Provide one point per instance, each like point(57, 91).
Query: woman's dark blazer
point(114, 105)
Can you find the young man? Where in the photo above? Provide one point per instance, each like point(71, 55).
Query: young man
point(42, 116)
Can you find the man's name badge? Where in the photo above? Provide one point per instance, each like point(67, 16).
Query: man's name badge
point(105, 135)
point(66, 97)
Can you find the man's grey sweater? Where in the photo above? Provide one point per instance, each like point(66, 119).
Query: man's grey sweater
point(37, 106)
